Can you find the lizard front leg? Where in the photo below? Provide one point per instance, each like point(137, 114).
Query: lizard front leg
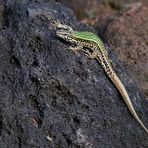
point(76, 48)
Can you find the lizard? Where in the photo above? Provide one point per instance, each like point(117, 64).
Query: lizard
point(94, 48)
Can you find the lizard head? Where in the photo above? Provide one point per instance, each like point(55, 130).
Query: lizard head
point(64, 34)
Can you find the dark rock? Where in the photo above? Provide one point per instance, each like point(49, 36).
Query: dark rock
point(1, 14)
point(50, 97)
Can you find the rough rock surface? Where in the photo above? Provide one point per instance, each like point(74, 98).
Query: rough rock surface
point(50, 97)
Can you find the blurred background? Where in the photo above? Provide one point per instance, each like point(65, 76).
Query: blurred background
point(89, 9)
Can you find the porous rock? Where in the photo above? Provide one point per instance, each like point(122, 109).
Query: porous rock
point(50, 97)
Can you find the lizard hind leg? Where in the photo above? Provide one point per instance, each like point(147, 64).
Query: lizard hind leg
point(89, 54)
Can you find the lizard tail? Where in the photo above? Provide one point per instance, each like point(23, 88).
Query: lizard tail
point(117, 82)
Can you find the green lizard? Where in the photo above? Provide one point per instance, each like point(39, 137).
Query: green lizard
point(93, 46)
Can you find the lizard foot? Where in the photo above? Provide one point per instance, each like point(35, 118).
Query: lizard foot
point(75, 49)
point(89, 54)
